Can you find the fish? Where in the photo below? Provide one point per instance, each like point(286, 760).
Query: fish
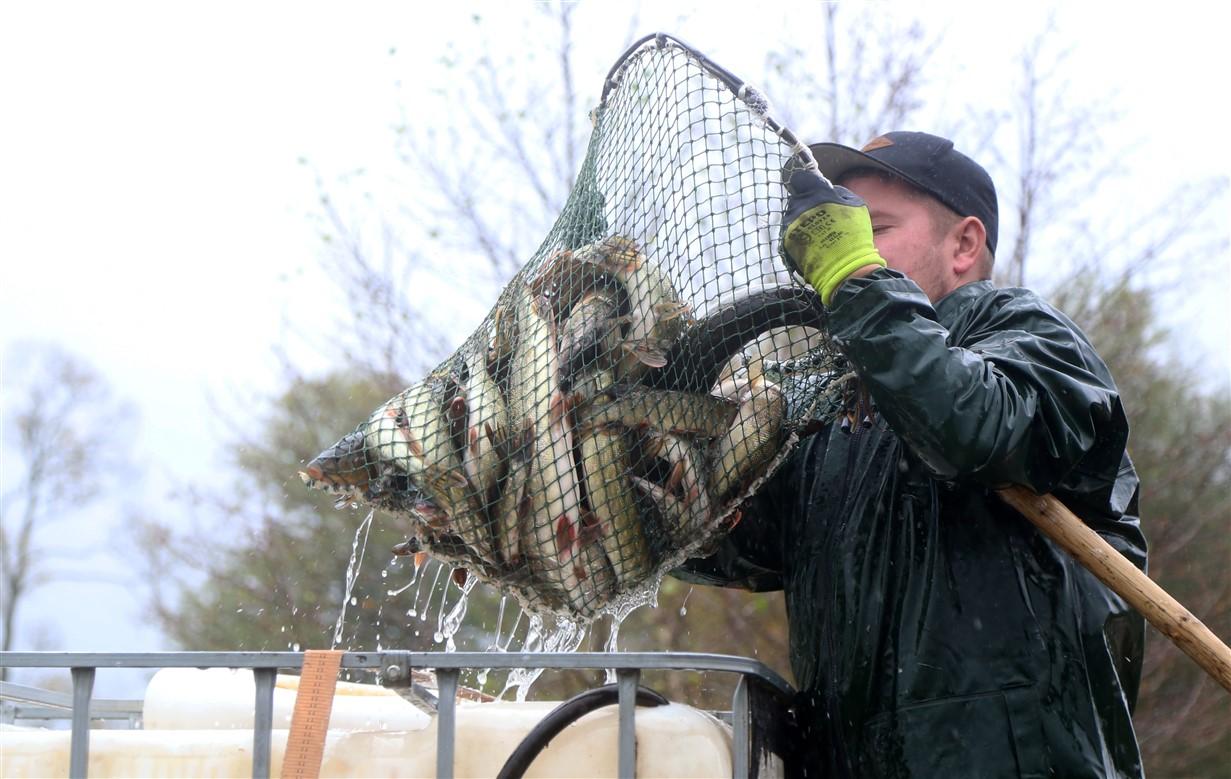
point(740, 455)
point(684, 498)
point(590, 338)
point(701, 353)
point(612, 505)
point(501, 344)
point(547, 512)
point(368, 460)
point(567, 276)
point(664, 410)
point(512, 509)
point(342, 469)
point(657, 315)
point(411, 463)
point(484, 459)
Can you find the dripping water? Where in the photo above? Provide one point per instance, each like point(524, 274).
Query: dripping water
point(357, 549)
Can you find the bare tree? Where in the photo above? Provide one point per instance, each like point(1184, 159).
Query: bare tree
point(866, 76)
point(490, 170)
point(67, 433)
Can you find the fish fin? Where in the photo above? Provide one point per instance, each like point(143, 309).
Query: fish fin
point(523, 448)
point(648, 487)
point(591, 528)
point(652, 358)
point(408, 547)
point(430, 514)
point(566, 536)
point(671, 309)
point(736, 517)
point(676, 476)
point(555, 408)
point(416, 448)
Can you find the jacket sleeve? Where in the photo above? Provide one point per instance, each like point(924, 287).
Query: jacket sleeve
point(1020, 396)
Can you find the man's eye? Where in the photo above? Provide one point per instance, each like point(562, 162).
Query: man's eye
point(879, 228)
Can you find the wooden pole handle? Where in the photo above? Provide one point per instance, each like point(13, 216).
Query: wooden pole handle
point(1125, 579)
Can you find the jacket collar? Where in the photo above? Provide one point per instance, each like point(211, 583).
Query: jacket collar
point(948, 307)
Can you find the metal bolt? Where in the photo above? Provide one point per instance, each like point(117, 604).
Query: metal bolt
point(394, 674)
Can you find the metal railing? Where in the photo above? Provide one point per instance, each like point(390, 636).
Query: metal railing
point(760, 720)
point(18, 701)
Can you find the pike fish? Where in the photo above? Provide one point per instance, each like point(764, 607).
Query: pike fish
point(483, 458)
point(657, 316)
point(545, 513)
point(740, 456)
point(590, 339)
point(699, 356)
point(683, 500)
point(410, 463)
point(664, 410)
point(606, 468)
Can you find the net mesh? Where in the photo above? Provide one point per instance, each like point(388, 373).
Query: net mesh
point(639, 378)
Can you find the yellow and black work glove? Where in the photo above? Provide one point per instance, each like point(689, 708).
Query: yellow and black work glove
point(828, 233)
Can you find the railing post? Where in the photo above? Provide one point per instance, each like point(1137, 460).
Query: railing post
point(263, 721)
point(740, 716)
point(79, 749)
point(627, 681)
point(446, 724)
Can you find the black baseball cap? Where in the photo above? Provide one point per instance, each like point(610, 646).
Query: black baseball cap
point(927, 162)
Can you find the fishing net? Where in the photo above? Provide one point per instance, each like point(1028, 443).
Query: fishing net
point(637, 380)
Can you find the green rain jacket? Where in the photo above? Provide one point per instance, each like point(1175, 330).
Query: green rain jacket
point(934, 631)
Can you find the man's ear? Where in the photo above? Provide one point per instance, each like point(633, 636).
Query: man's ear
point(971, 236)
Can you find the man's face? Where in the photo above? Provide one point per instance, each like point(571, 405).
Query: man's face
point(905, 234)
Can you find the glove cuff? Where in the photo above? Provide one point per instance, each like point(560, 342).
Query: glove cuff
point(830, 283)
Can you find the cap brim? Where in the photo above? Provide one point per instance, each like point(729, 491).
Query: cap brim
point(836, 160)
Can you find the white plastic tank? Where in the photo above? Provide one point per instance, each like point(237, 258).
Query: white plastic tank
point(198, 723)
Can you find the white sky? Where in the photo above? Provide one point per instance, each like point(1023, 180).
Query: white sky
point(154, 217)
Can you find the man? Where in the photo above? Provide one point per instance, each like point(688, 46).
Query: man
point(934, 632)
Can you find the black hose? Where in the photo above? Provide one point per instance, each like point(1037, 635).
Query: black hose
point(698, 357)
point(561, 717)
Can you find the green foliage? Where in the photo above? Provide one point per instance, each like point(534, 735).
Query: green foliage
point(264, 565)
